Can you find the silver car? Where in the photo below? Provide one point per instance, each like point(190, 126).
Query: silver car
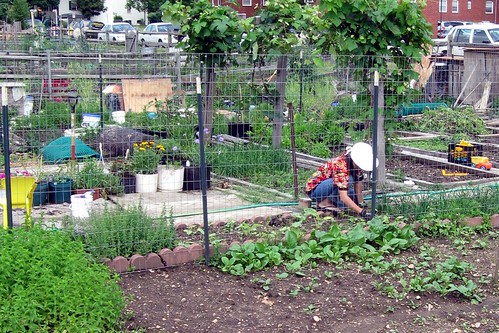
point(479, 34)
point(115, 32)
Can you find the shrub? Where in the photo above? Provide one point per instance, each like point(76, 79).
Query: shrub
point(48, 285)
point(126, 231)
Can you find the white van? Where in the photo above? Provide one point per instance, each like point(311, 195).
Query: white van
point(464, 35)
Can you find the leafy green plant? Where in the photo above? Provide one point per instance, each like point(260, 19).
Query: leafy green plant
point(241, 259)
point(90, 175)
point(48, 284)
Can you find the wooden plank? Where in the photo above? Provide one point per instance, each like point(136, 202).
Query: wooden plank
point(481, 104)
point(138, 93)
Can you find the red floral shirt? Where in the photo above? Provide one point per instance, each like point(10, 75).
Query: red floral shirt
point(337, 168)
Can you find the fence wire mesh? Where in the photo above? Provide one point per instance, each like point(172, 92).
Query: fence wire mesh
point(128, 114)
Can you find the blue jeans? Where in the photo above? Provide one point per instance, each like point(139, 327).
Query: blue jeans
point(327, 189)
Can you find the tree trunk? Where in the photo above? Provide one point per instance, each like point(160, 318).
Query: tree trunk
point(208, 103)
point(282, 64)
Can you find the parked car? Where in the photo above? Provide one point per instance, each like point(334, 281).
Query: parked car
point(445, 26)
point(91, 31)
point(462, 36)
point(115, 32)
point(160, 32)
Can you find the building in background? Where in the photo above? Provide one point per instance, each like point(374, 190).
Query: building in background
point(460, 10)
point(114, 8)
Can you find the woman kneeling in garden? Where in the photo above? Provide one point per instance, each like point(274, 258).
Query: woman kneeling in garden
point(338, 183)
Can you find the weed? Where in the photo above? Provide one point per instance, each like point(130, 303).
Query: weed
point(311, 308)
point(294, 292)
point(390, 309)
point(264, 283)
point(311, 285)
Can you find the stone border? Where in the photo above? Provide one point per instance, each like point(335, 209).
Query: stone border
point(183, 255)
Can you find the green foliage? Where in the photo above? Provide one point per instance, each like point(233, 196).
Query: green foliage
point(92, 175)
point(435, 144)
point(48, 285)
point(460, 122)
point(247, 257)
point(285, 20)
point(332, 246)
point(444, 203)
point(89, 8)
point(212, 30)
point(375, 28)
point(41, 128)
point(125, 231)
point(238, 160)
point(18, 11)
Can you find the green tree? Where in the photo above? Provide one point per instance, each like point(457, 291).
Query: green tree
point(290, 24)
point(377, 28)
point(90, 8)
point(151, 7)
point(18, 11)
point(44, 4)
point(145, 5)
point(4, 8)
point(214, 33)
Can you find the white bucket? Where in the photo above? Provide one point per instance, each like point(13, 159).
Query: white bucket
point(28, 105)
point(118, 116)
point(79, 206)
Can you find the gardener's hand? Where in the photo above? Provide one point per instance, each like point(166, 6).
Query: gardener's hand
point(366, 214)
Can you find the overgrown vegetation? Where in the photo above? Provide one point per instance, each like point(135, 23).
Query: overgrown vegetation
point(459, 122)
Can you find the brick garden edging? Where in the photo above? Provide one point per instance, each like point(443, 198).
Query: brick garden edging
point(182, 255)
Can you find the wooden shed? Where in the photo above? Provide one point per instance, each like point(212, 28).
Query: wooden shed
point(480, 75)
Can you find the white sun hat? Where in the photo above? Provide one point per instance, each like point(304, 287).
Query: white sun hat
point(362, 155)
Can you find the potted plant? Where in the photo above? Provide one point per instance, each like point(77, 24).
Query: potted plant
point(40, 195)
point(145, 160)
point(90, 176)
point(242, 126)
point(170, 170)
point(123, 169)
point(60, 186)
point(192, 168)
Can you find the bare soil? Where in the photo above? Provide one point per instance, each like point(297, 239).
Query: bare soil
point(408, 168)
point(329, 298)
